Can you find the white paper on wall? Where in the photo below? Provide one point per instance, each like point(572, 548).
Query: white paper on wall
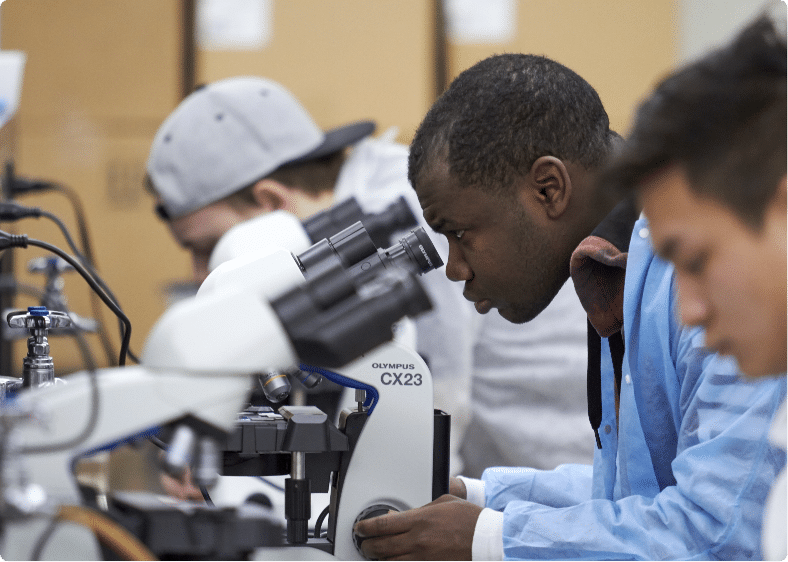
point(12, 65)
point(234, 25)
point(481, 21)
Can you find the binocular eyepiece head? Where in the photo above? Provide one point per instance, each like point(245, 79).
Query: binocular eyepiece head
point(380, 226)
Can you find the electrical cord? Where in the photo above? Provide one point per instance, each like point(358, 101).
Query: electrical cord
point(23, 186)
point(10, 211)
point(158, 442)
point(22, 241)
point(372, 394)
point(319, 521)
point(205, 495)
point(108, 532)
point(274, 485)
point(88, 263)
point(79, 214)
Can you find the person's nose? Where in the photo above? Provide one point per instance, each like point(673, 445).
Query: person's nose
point(693, 305)
point(457, 269)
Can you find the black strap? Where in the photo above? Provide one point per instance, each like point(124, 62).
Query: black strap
point(594, 374)
point(594, 381)
point(616, 343)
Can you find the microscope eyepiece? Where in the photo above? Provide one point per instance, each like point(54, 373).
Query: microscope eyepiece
point(394, 218)
point(348, 247)
point(325, 223)
point(333, 335)
point(413, 252)
point(380, 226)
point(417, 248)
point(353, 250)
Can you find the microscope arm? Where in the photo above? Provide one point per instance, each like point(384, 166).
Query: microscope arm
point(392, 462)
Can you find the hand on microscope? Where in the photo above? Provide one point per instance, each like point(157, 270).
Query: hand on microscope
point(440, 530)
point(182, 488)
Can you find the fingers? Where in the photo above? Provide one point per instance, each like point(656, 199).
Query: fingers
point(457, 488)
point(395, 523)
point(444, 498)
point(182, 489)
point(390, 524)
point(440, 530)
point(393, 547)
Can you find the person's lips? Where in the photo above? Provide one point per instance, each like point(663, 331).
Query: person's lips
point(482, 305)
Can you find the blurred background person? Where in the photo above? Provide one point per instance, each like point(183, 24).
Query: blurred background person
point(707, 156)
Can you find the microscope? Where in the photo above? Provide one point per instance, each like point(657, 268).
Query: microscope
point(332, 306)
point(387, 453)
point(283, 230)
point(280, 229)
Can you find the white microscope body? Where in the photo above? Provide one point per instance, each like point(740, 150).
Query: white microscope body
point(391, 466)
point(198, 361)
point(196, 365)
point(392, 463)
point(191, 366)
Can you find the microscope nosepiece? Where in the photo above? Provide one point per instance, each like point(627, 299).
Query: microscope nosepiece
point(275, 386)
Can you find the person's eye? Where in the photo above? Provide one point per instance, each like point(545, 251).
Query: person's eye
point(458, 234)
point(697, 263)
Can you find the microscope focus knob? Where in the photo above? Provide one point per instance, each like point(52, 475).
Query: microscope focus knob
point(375, 510)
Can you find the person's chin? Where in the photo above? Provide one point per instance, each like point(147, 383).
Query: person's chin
point(759, 367)
point(514, 314)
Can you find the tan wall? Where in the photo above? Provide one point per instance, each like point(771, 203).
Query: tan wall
point(344, 59)
point(101, 75)
point(620, 47)
point(99, 79)
point(350, 59)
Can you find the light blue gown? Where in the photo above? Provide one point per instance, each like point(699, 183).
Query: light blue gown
point(685, 472)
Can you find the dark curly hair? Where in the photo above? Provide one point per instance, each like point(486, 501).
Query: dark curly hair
point(500, 115)
point(722, 120)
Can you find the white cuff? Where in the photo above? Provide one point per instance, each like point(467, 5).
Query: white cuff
point(474, 490)
point(488, 536)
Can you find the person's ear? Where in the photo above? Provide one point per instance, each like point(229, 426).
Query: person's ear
point(551, 185)
point(270, 195)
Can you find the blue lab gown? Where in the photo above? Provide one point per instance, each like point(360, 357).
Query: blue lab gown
point(686, 472)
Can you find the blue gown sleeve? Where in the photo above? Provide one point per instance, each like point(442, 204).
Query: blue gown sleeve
point(567, 484)
point(723, 471)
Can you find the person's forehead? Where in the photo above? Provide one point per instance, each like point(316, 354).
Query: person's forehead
point(666, 194)
point(445, 201)
point(677, 215)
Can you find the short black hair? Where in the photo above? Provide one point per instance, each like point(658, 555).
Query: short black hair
point(503, 113)
point(722, 120)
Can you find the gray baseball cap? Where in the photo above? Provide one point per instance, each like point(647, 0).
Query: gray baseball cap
point(230, 133)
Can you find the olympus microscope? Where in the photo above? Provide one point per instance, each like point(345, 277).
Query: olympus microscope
point(324, 308)
point(390, 452)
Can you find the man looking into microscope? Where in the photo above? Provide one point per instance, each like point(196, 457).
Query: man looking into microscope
point(244, 146)
point(503, 165)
